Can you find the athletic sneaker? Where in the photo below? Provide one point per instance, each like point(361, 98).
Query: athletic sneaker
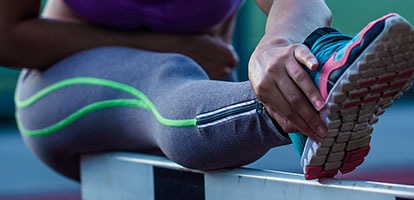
point(358, 77)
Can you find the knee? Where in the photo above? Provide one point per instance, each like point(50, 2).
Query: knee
point(207, 159)
point(58, 159)
point(206, 152)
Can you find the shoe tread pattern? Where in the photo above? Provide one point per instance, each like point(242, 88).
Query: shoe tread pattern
point(381, 75)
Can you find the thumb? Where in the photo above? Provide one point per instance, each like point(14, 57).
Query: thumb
point(304, 56)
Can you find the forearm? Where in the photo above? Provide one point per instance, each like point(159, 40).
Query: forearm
point(276, 66)
point(37, 43)
point(294, 19)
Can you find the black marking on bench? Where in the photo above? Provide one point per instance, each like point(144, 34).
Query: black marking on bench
point(181, 185)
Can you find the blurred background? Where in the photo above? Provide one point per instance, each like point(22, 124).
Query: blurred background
point(22, 176)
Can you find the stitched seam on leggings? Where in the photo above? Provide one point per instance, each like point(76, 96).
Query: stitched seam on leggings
point(143, 102)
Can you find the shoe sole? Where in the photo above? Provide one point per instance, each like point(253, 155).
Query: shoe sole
point(378, 77)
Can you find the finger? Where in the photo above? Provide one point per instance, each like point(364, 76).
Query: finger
point(302, 106)
point(218, 50)
point(226, 53)
point(305, 83)
point(233, 59)
point(276, 100)
point(222, 73)
point(304, 56)
point(225, 72)
point(287, 126)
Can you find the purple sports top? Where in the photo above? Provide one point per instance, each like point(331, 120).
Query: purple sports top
point(160, 15)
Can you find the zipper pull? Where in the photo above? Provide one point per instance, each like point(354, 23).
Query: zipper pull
point(259, 107)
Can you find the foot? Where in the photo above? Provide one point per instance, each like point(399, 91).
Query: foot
point(358, 77)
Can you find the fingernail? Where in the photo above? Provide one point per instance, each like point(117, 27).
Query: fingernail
point(319, 104)
point(322, 131)
point(313, 64)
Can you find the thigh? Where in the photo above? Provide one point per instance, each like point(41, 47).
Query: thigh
point(59, 143)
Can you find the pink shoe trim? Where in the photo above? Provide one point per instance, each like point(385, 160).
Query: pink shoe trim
point(331, 65)
point(313, 172)
point(386, 79)
point(406, 74)
point(391, 94)
point(375, 98)
point(380, 89)
point(360, 94)
point(350, 166)
point(329, 174)
point(367, 83)
point(351, 160)
point(351, 104)
point(356, 154)
point(398, 84)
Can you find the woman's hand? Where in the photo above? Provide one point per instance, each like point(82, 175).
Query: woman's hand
point(285, 88)
point(217, 57)
point(214, 51)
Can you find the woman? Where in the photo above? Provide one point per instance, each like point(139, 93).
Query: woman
point(135, 76)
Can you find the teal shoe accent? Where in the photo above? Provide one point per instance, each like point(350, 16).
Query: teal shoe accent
point(298, 141)
point(324, 48)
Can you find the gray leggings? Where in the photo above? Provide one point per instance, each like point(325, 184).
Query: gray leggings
point(122, 99)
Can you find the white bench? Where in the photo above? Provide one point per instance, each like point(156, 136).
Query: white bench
point(122, 175)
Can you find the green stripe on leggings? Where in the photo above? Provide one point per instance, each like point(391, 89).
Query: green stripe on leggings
point(142, 102)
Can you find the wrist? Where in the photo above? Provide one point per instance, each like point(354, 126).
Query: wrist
point(295, 20)
point(271, 41)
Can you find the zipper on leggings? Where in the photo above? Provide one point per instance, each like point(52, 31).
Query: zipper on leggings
point(228, 112)
point(259, 107)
